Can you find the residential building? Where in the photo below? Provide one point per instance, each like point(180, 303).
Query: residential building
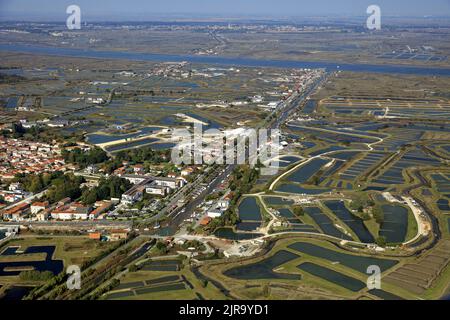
point(119, 234)
point(73, 211)
point(39, 206)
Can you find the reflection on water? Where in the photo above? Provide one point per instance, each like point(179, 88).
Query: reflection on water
point(16, 293)
point(54, 266)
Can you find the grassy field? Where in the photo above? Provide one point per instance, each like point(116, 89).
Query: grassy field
point(71, 250)
point(186, 293)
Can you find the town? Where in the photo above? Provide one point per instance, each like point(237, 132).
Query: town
point(225, 159)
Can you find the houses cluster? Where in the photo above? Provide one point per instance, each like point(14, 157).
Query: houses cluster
point(21, 156)
point(112, 235)
point(159, 186)
point(63, 210)
point(14, 193)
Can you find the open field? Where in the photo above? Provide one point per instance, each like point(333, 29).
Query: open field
point(54, 253)
point(163, 279)
point(300, 267)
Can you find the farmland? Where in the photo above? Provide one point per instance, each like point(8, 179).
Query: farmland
point(163, 279)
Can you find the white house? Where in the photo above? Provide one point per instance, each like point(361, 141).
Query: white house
point(214, 213)
point(36, 207)
point(157, 190)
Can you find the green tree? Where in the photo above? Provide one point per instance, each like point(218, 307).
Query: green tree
point(378, 214)
point(381, 241)
point(298, 210)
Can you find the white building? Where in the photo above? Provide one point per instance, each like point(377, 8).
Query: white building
point(157, 190)
point(215, 213)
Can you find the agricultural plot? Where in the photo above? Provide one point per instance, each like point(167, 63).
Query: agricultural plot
point(398, 138)
point(48, 254)
point(368, 162)
point(295, 223)
point(159, 285)
point(446, 148)
point(332, 137)
point(162, 265)
point(338, 184)
point(442, 183)
point(300, 227)
point(355, 223)
point(325, 223)
point(387, 108)
point(287, 213)
point(265, 269)
point(412, 56)
point(296, 189)
point(344, 156)
point(443, 204)
point(100, 138)
point(418, 276)
point(331, 170)
point(413, 158)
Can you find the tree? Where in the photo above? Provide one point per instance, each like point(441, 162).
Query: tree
point(66, 186)
point(36, 184)
point(381, 241)
point(113, 187)
point(133, 268)
point(298, 210)
point(84, 159)
point(266, 291)
point(161, 247)
point(378, 214)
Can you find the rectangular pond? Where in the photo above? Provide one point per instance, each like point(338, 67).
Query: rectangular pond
point(332, 276)
point(249, 210)
point(54, 266)
point(395, 224)
point(305, 172)
point(277, 201)
point(265, 269)
point(358, 263)
point(325, 223)
point(230, 234)
point(355, 223)
point(294, 188)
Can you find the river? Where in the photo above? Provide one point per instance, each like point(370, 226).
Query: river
point(235, 61)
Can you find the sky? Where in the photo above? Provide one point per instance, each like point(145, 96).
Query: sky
point(141, 9)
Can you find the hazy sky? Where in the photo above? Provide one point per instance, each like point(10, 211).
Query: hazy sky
point(123, 9)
